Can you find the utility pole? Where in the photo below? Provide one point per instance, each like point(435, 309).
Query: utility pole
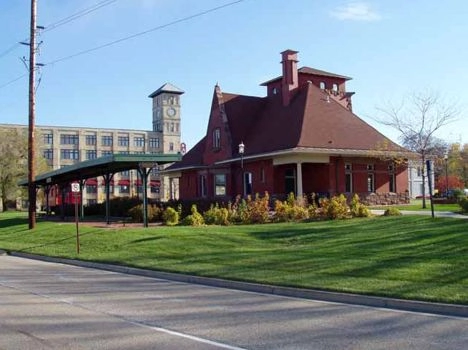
point(32, 102)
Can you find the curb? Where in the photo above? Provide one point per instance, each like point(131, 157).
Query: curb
point(336, 297)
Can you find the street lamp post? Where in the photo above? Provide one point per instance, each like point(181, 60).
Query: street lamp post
point(446, 174)
point(241, 152)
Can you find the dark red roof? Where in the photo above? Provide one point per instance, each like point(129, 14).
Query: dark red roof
point(312, 120)
point(310, 71)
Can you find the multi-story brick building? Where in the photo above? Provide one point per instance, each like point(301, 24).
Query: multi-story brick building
point(64, 146)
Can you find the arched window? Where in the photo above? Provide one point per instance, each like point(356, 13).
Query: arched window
point(335, 87)
point(322, 85)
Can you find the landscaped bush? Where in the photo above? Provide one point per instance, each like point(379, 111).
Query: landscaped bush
point(463, 203)
point(195, 218)
point(154, 213)
point(392, 211)
point(258, 210)
point(170, 216)
point(335, 207)
point(216, 215)
point(291, 209)
point(358, 209)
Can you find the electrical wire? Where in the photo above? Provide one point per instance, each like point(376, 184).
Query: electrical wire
point(184, 19)
point(78, 14)
point(63, 21)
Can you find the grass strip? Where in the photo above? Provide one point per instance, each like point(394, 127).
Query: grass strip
point(408, 257)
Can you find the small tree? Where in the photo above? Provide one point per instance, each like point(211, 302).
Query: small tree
point(417, 121)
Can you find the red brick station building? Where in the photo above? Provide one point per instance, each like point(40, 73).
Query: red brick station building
point(302, 137)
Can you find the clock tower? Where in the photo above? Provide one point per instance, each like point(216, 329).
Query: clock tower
point(166, 117)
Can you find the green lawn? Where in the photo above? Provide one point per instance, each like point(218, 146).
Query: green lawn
point(410, 257)
point(416, 204)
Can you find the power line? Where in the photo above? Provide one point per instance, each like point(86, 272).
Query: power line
point(184, 19)
point(12, 81)
point(78, 14)
point(63, 21)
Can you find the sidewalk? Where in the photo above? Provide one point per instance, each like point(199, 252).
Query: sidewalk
point(440, 214)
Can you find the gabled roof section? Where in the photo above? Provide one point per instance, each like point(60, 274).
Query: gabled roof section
point(327, 124)
point(168, 87)
point(192, 159)
point(311, 71)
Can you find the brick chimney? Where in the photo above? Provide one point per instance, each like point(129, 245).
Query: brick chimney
point(290, 79)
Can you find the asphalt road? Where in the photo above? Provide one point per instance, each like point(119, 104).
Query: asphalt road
point(55, 306)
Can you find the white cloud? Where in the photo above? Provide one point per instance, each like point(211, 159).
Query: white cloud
point(355, 11)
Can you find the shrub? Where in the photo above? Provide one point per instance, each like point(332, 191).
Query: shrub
point(358, 209)
point(258, 210)
point(291, 209)
point(463, 203)
point(154, 213)
point(216, 215)
point(170, 217)
point(335, 208)
point(194, 219)
point(392, 211)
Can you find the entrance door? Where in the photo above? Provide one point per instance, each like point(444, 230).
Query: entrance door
point(290, 181)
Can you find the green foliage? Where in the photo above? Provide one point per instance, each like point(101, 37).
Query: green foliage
point(194, 219)
point(358, 209)
point(154, 213)
point(392, 211)
point(463, 203)
point(216, 215)
point(335, 207)
point(291, 209)
point(170, 217)
point(258, 210)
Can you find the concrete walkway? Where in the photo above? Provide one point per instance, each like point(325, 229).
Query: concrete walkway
point(439, 214)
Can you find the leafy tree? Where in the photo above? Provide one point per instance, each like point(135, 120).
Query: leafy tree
point(13, 162)
point(418, 120)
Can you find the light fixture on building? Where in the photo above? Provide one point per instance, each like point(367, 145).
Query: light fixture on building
point(241, 152)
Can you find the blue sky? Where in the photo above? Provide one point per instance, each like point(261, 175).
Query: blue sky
point(390, 48)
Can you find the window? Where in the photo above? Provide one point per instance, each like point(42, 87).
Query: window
point(107, 140)
point(391, 183)
point(139, 141)
point(171, 146)
point(48, 153)
point(125, 173)
point(216, 138)
point(106, 153)
point(91, 189)
point(322, 85)
point(335, 88)
point(220, 184)
point(90, 140)
point(262, 175)
point(203, 191)
point(348, 178)
point(69, 139)
point(391, 178)
point(419, 172)
point(91, 154)
point(370, 183)
point(124, 152)
point(123, 141)
point(124, 189)
point(154, 142)
point(370, 167)
point(48, 139)
point(247, 184)
point(172, 128)
point(154, 189)
point(92, 201)
point(69, 154)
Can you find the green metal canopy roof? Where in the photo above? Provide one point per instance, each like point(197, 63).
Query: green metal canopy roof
point(102, 166)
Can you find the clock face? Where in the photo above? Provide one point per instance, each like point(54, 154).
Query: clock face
point(171, 112)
